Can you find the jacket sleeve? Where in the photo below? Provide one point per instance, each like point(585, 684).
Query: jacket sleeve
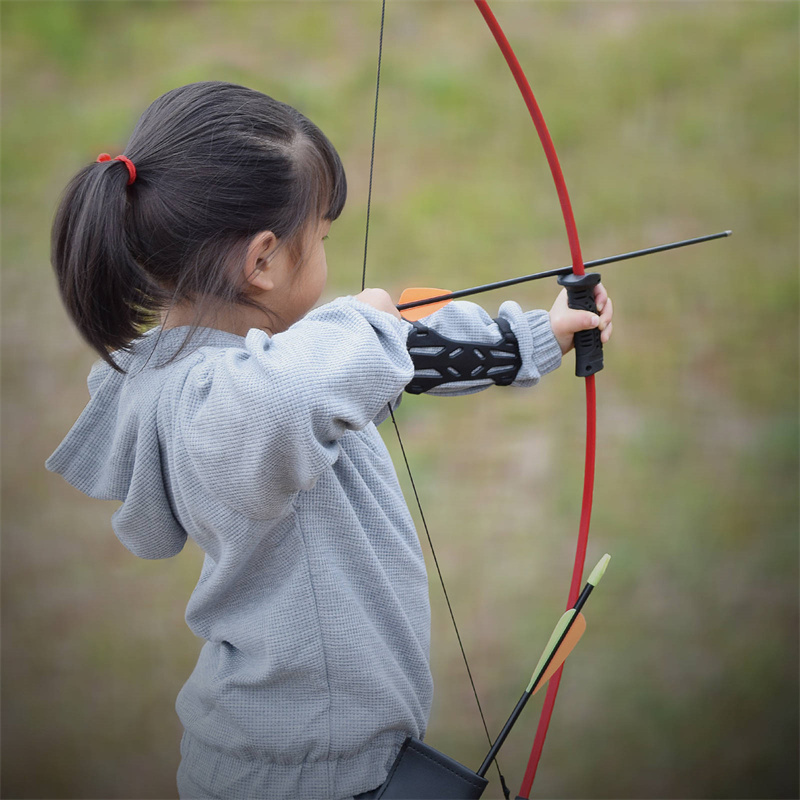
point(468, 322)
point(262, 422)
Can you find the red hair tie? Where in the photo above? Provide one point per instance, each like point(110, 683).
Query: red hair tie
point(125, 160)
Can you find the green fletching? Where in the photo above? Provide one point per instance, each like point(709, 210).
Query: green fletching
point(599, 570)
point(558, 632)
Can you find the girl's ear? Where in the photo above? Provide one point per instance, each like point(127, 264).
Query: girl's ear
point(259, 267)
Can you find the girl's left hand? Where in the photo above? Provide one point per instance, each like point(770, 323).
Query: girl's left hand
point(566, 322)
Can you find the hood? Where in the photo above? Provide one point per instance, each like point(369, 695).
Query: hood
point(113, 450)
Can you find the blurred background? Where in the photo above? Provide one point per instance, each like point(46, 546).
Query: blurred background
point(671, 120)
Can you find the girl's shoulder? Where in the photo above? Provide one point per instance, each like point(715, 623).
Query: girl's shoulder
point(161, 353)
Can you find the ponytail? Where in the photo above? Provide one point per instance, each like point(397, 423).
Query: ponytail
point(215, 164)
point(109, 297)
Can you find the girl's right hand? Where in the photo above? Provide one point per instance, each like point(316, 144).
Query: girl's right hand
point(380, 299)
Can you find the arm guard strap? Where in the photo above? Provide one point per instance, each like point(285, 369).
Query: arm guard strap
point(439, 360)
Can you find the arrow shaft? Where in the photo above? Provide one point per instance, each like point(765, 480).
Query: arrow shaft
point(503, 735)
point(488, 287)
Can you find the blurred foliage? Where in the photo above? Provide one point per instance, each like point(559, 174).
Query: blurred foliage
point(671, 120)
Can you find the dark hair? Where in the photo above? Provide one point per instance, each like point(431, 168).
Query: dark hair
point(216, 163)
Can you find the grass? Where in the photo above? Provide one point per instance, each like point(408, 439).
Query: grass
point(671, 120)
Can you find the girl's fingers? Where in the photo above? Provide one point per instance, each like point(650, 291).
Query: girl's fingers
point(600, 296)
point(573, 321)
point(606, 334)
point(606, 313)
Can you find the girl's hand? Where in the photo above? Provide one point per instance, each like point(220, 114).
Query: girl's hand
point(566, 322)
point(378, 298)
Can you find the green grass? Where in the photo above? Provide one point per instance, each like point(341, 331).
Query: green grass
point(671, 119)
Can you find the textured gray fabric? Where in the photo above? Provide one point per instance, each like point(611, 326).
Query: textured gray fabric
point(313, 596)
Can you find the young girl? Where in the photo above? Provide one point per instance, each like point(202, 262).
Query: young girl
point(246, 420)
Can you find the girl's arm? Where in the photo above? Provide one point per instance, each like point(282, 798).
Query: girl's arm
point(263, 421)
point(542, 337)
point(539, 349)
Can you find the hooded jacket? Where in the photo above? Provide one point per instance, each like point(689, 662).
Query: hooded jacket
point(313, 596)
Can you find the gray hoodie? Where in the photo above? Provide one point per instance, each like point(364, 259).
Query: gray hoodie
point(313, 597)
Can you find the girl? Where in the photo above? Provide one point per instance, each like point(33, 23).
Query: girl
point(246, 420)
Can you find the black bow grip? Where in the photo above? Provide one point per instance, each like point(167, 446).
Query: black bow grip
point(588, 347)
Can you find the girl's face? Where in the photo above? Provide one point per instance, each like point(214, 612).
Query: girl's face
point(283, 283)
point(309, 277)
point(277, 283)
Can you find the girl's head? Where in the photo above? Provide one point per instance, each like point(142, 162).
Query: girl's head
point(216, 165)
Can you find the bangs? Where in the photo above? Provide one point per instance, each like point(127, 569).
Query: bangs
point(322, 172)
point(337, 192)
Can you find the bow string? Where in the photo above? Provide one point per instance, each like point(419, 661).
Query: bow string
point(591, 424)
point(415, 492)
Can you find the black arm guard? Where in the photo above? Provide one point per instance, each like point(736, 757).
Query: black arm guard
point(439, 360)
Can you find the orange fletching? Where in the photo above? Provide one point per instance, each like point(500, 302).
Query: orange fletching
point(560, 656)
point(414, 295)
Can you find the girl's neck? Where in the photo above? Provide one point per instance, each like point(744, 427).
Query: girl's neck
point(237, 319)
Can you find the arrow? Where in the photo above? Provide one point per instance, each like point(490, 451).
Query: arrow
point(565, 636)
point(429, 300)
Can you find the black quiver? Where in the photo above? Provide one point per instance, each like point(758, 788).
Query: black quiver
point(422, 773)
